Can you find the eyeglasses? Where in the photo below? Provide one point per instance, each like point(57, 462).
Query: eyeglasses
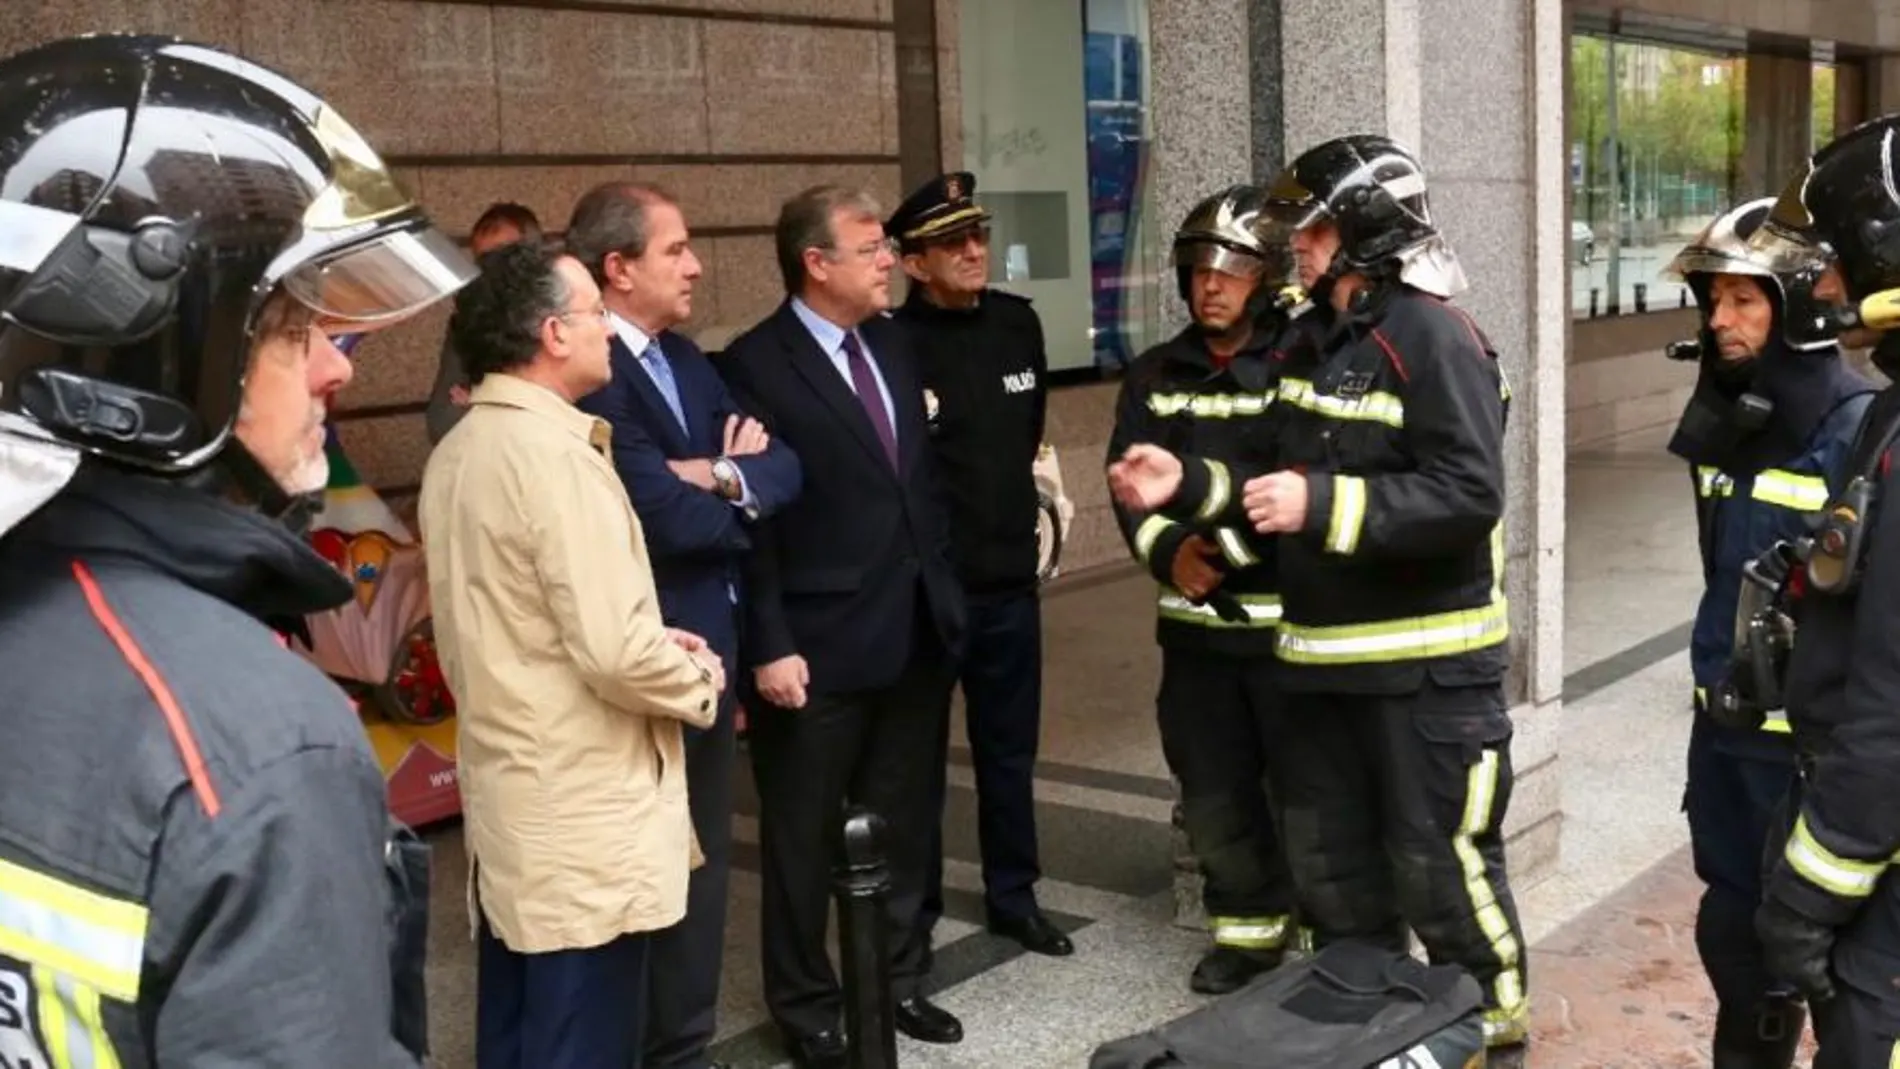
point(867, 251)
point(598, 311)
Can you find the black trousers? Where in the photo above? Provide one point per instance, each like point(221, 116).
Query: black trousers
point(1733, 797)
point(1394, 807)
point(1001, 673)
point(568, 1009)
point(874, 748)
point(1223, 730)
point(683, 1006)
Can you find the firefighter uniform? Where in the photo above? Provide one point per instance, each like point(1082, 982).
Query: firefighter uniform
point(1758, 479)
point(1218, 709)
point(984, 371)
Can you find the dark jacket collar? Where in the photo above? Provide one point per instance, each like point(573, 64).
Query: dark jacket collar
point(230, 553)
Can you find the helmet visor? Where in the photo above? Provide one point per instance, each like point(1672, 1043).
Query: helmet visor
point(383, 281)
point(1700, 259)
point(1226, 260)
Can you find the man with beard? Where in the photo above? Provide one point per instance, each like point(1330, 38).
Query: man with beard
point(981, 358)
point(193, 831)
point(1201, 392)
point(1770, 420)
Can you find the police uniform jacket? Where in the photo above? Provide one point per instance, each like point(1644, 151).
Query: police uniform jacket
point(1842, 689)
point(193, 827)
point(1177, 396)
point(1396, 418)
point(984, 372)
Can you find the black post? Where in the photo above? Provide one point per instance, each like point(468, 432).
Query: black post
point(1594, 294)
point(860, 885)
point(1642, 297)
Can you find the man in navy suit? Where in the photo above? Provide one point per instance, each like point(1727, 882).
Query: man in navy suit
point(855, 618)
point(699, 471)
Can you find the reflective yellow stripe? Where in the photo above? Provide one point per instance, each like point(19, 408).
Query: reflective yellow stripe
point(1438, 635)
point(1375, 407)
point(1235, 548)
point(1505, 1020)
point(1893, 1060)
point(1148, 533)
point(95, 939)
point(1830, 872)
point(1210, 405)
point(1263, 610)
point(1220, 490)
point(1249, 933)
point(1802, 493)
point(1776, 722)
point(1349, 514)
point(1712, 482)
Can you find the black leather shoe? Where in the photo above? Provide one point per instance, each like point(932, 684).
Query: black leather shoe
point(1226, 969)
point(1035, 932)
point(926, 1022)
point(817, 1050)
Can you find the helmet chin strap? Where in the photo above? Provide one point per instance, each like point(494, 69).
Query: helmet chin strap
point(236, 475)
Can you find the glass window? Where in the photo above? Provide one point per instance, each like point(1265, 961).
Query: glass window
point(1650, 164)
point(1056, 128)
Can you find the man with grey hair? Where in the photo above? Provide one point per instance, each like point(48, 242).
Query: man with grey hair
point(572, 691)
point(698, 471)
point(854, 616)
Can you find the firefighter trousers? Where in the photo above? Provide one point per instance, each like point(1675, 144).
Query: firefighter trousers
point(1221, 723)
point(1393, 808)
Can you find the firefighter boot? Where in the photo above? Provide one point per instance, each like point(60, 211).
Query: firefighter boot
point(1763, 1035)
point(1226, 969)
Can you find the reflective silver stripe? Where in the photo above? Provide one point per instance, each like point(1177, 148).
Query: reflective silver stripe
point(1802, 493)
point(1260, 609)
point(1210, 405)
point(1424, 636)
point(1375, 407)
point(1258, 933)
point(1349, 514)
point(1220, 490)
point(1146, 535)
point(1829, 871)
point(1713, 482)
point(95, 939)
point(1235, 548)
point(71, 1022)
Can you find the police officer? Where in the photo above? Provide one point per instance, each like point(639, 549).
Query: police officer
point(1388, 494)
point(984, 371)
point(193, 829)
point(1772, 414)
point(1830, 921)
point(1203, 392)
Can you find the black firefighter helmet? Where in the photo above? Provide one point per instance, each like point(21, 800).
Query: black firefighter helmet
point(1373, 189)
point(1230, 232)
point(154, 194)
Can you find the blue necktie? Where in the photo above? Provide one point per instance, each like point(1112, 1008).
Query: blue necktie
point(654, 360)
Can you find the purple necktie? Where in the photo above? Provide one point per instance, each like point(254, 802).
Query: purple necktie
point(873, 401)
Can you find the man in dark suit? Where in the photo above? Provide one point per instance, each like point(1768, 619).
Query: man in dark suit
point(698, 472)
point(855, 617)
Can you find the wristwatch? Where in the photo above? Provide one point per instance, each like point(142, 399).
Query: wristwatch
point(726, 479)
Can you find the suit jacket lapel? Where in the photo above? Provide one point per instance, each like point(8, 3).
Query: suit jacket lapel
point(627, 363)
point(818, 370)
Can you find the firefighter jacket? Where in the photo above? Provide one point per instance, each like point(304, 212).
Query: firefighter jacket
point(984, 371)
point(1764, 488)
point(193, 833)
point(1843, 690)
point(1396, 419)
point(1178, 397)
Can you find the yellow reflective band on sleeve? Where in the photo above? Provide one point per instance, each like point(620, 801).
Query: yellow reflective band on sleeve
point(1249, 933)
point(1235, 548)
point(1828, 871)
point(1390, 641)
point(1375, 407)
point(1349, 514)
point(1263, 611)
point(1712, 482)
point(1210, 405)
point(94, 939)
point(1776, 722)
point(1148, 533)
point(1220, 490)
point(1802, 493)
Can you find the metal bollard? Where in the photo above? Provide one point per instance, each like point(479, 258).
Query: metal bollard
point(1642, 297)
point(1594, 294)
point(860, 884)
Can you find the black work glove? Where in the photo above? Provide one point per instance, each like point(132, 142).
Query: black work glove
point(1796, 949)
